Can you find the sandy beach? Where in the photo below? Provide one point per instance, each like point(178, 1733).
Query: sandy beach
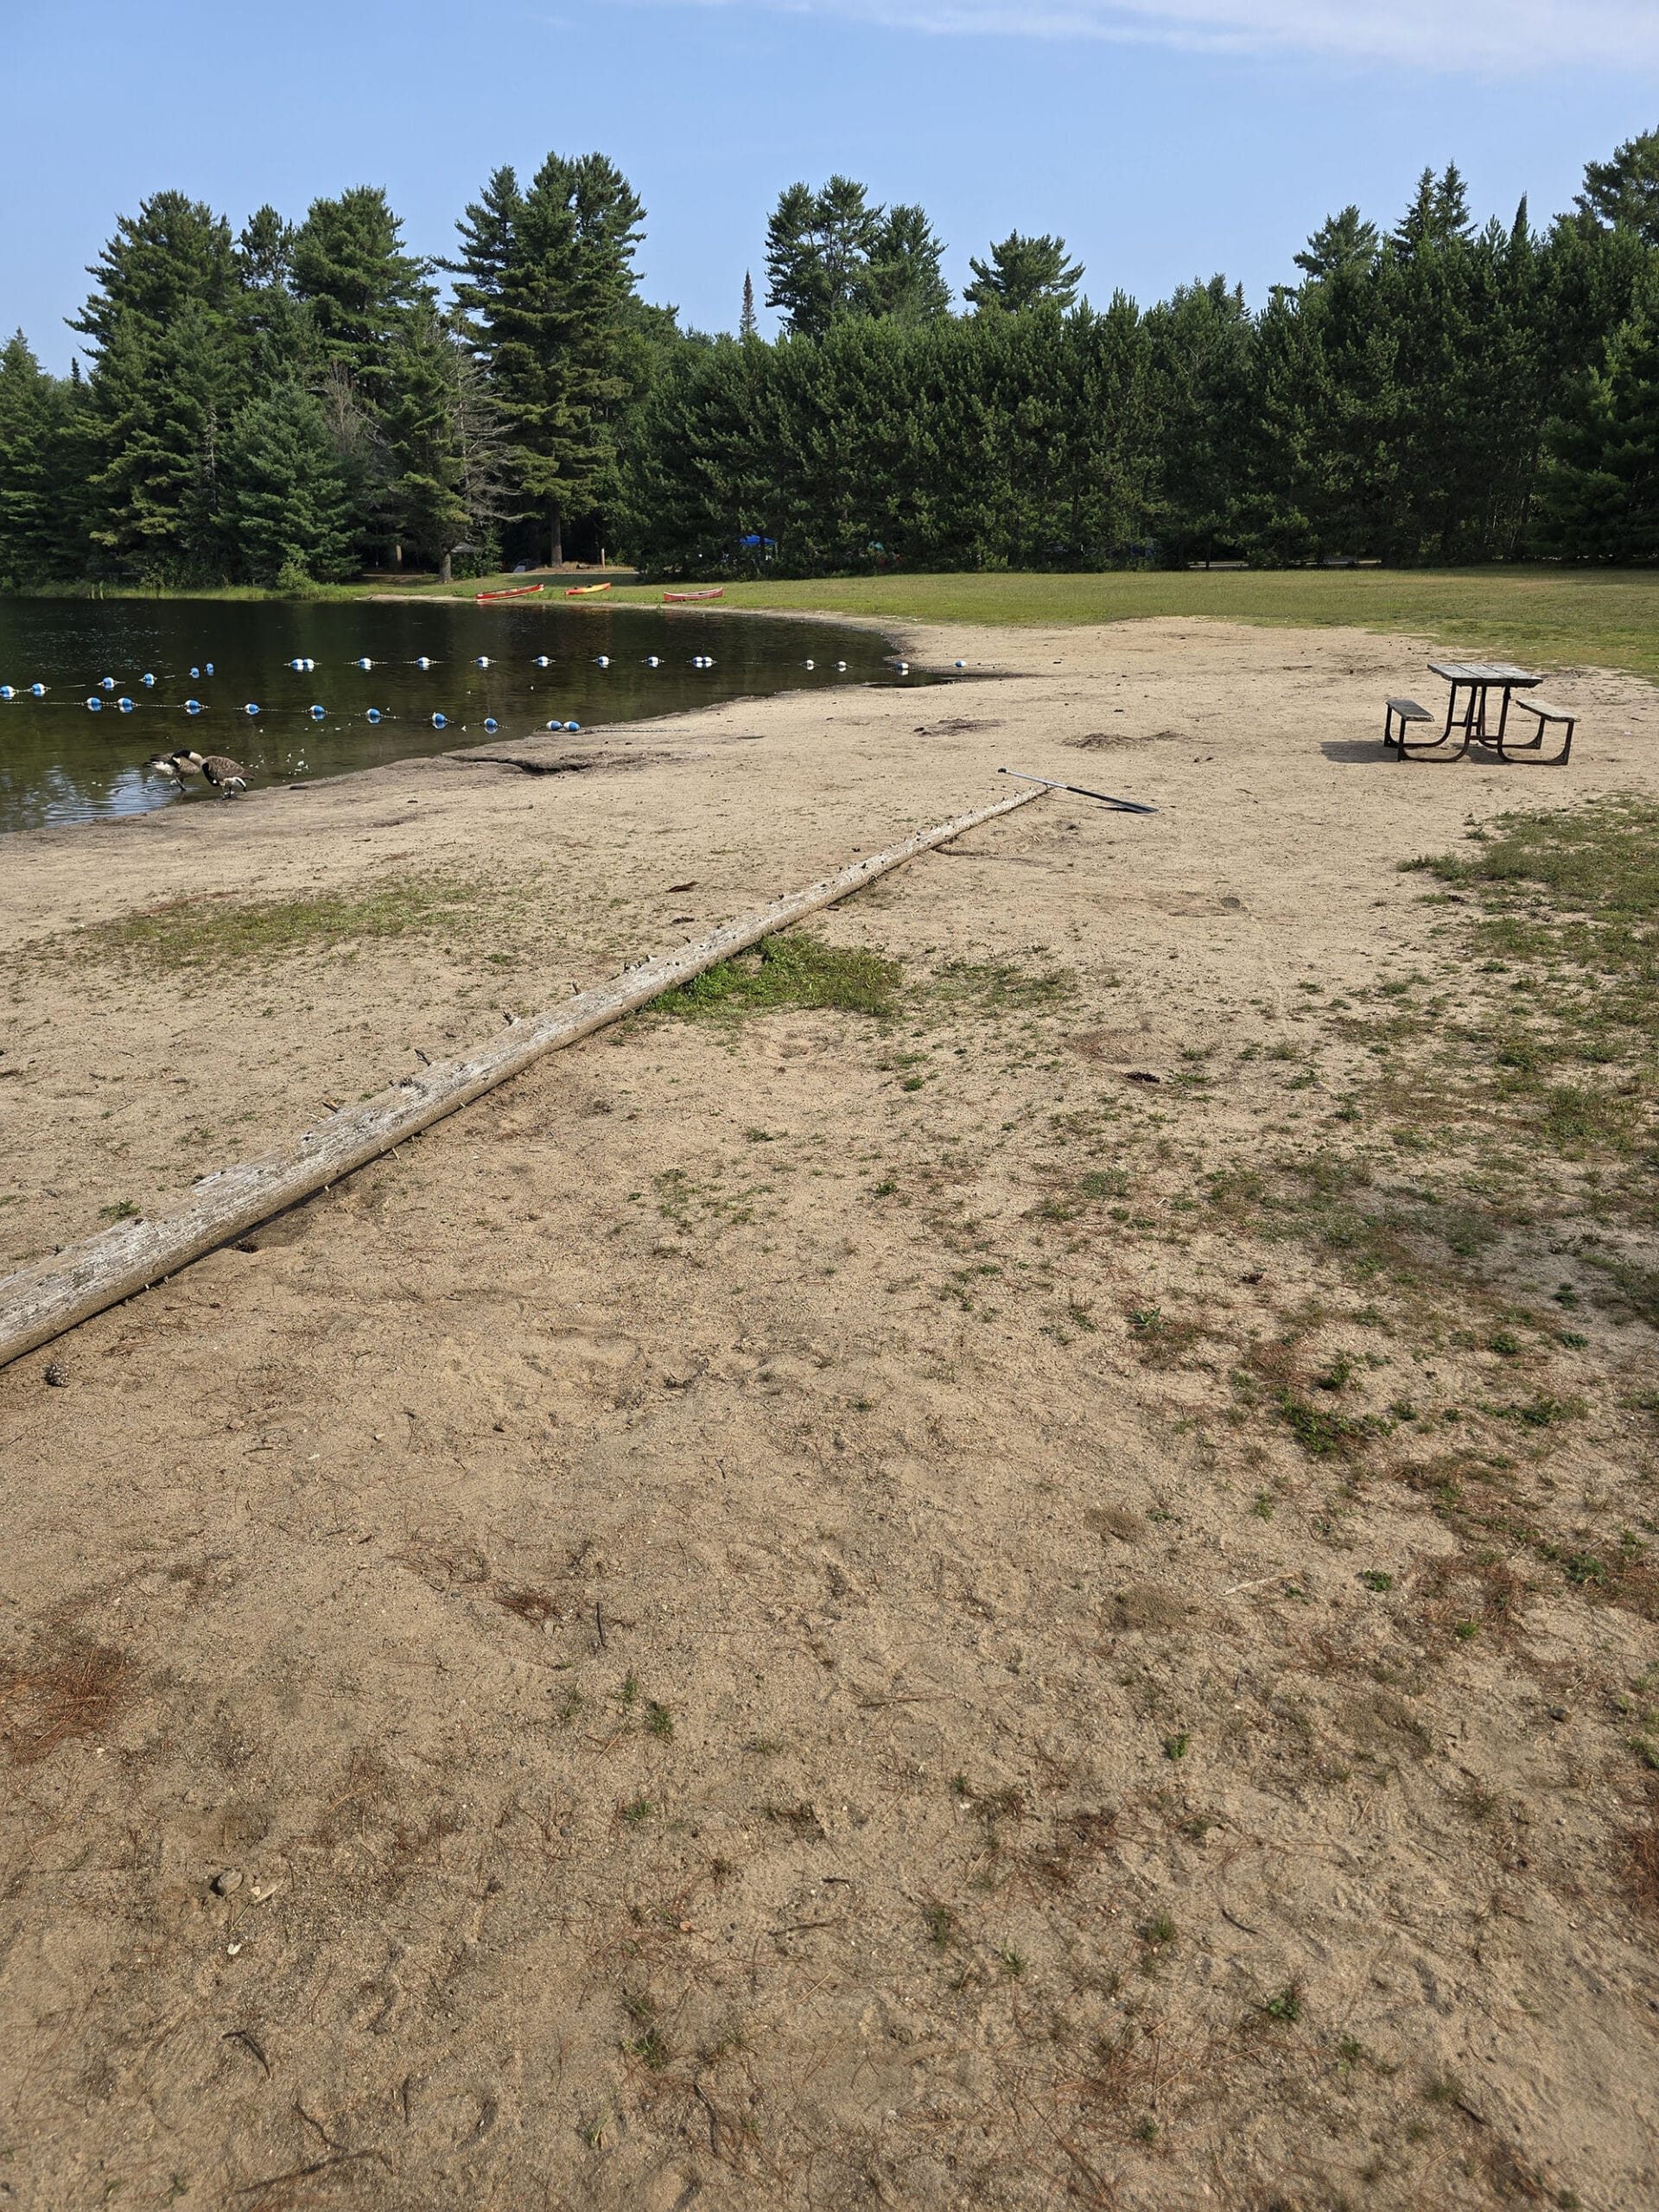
point(765, 1619)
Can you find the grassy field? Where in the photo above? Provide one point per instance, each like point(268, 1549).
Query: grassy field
point(1548, 617)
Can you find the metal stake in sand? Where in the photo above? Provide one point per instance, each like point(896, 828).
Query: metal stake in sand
point(1123, 806)
point(42, 1301)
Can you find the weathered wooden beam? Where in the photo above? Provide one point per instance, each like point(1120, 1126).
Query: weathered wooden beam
point(52, 1294)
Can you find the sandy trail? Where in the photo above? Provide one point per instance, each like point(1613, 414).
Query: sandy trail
point(717, 1654)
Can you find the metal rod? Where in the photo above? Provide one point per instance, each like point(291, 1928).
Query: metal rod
point(1124, 805)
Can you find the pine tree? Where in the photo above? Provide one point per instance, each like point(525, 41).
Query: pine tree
point(349, 264)
point(1623, 193)
point(747, 325)
point(1344, 241)
point(176, 253)
point(550, 277)
point(904, 278)
point(1599, 495)
point(444, 440)
point(1437, 217)
point(160, 404)
point(819, 246)
point(32, 410)
point(1023, 272)
point(287, 498)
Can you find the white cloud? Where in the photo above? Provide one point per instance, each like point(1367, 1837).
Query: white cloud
point(1508, 35)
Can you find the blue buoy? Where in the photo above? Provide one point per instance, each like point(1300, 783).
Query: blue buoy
point(316, 714)
point(962, 663)
point(541, 661)
point(6, 691)
point(483, 660)
point(490, 722)
point(422, 660)
point(95, 705)
point(193, 706)
point(125, 705)
point(298, 667)
point(195, 674)
point(604, 660)
point(437, 722)
point(37, 690)
point(208, 666)
point(573, 725)
point(251, 708)
point(149, 683)
point(366, 663)
point(903, 668)
point(374, 713)
point(106, 683)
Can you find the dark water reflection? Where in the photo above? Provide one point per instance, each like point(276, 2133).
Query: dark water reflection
point(60, 762)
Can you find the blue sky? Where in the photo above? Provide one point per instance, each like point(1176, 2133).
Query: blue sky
point(1165, 138)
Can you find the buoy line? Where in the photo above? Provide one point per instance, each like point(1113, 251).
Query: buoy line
point(42, 1301)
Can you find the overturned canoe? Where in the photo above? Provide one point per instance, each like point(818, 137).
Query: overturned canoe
point(682, 598)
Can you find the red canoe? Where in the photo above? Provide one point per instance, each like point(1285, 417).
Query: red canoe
point(517, 592)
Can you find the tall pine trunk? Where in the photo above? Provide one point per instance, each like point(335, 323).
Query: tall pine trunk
point(555, 535)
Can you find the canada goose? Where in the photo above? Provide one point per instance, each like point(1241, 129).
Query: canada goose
point(227, 776)
point(164, 765)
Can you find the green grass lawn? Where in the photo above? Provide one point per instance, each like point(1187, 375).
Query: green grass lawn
point(1544, 618)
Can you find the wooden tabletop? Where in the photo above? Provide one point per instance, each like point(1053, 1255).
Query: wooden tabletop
point(1479, 671)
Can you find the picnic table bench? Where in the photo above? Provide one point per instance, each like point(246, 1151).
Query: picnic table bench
point(1478, 680)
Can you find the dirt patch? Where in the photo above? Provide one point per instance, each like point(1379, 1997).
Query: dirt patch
point(833, 1602)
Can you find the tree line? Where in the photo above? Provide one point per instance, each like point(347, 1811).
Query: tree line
point(293, 402)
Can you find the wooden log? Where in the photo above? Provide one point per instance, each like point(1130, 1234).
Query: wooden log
point(52, 1294)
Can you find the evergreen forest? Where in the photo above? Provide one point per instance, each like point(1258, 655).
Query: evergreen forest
point(297, 402)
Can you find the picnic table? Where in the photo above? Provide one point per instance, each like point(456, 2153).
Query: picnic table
point(1479, 679)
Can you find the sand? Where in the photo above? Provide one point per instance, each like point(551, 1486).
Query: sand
point(686, 1639)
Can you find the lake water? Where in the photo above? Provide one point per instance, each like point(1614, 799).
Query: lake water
point(60, 762)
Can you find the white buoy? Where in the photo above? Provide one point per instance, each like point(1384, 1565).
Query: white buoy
point(604, 660)
point(541, 661)
point(903, 668)
point(841, 668)
point(298, 667)
point(422, 660)
point(652, 661)
point(483, 661)
point(810, 663)
point(374, 713)
point(365, 664)
point(962, 663)
point(316, 714)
